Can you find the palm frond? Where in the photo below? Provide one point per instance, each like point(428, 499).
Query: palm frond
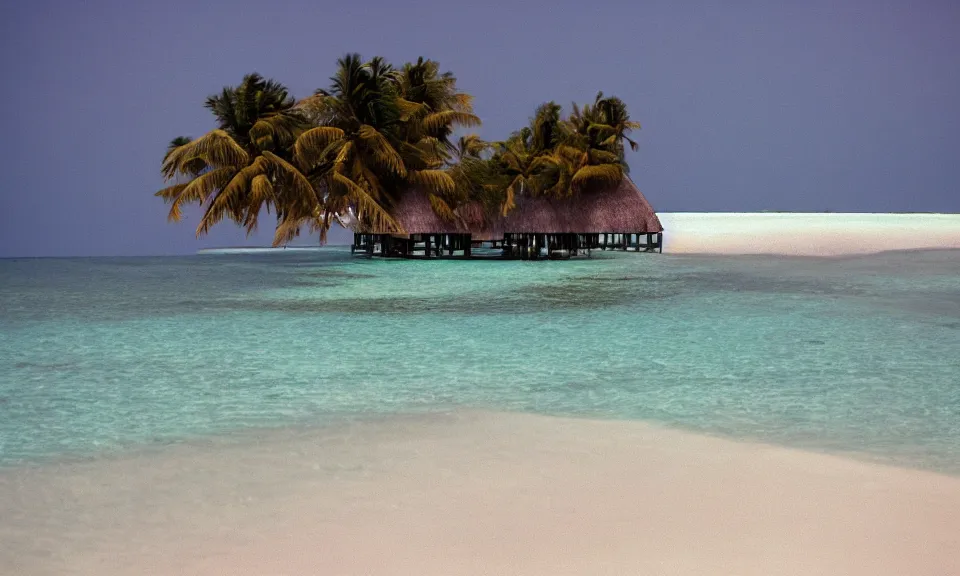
point(447, 118)
point(370, 176)
point(470, 145)
point(436, 181)
point(368, 209)
point(410, 109)
point(216, 148)
point(312, 145)
point(277, 131)
point(441, 208)
point(598, 156)
point(261, 193)
point(509, 201)
point(170, 192)
point(463, 102)
point(343, 155)
point(232, 197)
point(199, 189)
point(174, 144)
point(382, 150)
point(287, 230)
point(604, 174)
point(297, 188)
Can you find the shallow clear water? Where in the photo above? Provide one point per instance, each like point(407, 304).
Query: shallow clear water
point(856, 355)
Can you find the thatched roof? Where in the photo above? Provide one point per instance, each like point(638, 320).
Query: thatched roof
point(415, 214)
point(622, 209)
point(475, 221)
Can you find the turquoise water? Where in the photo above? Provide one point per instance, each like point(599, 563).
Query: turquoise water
point(856, 355)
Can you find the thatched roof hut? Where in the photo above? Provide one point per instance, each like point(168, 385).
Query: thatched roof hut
point(563, 227)
point(619, 210)
point(415, 214)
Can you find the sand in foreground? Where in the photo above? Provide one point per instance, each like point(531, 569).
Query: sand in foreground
point(479, 493)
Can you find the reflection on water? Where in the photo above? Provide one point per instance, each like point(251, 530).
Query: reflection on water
point(850, 354)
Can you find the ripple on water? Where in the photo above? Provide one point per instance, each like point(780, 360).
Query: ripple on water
point(843, 355)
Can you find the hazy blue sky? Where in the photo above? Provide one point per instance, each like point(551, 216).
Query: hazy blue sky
point(803, 105)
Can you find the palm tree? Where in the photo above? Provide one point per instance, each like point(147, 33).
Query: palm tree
point(553, 156)
point(350, 152)
point(371, 144)
point(478, 176)
point(520, 164)
point(433, 106)
point(518, 160)
point(469, 146)
point(595, 151)
point(433, 109)
point(614, 124)
point(242, 165)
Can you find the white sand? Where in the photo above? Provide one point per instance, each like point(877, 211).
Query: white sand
point(806, 234)
point(480, 493)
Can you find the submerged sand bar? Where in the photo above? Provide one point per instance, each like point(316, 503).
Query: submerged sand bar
point(478, 493)
point(811, 234)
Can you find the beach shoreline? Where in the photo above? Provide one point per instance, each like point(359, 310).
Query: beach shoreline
point(471, 492)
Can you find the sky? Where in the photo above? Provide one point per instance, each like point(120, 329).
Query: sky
point(805, 105)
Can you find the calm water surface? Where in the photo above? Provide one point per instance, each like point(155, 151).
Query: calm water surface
point(856, 355)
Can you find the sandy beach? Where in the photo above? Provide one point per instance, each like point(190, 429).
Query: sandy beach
point(806, 234)
point(478, 493)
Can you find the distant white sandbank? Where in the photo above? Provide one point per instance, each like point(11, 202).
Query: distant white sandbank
point(806, 234)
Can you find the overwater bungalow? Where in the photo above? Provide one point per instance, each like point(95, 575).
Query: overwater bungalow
point(619, 218)
point(426, 234)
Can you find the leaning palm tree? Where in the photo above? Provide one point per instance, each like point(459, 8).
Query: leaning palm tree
point(241, 166)
point(372, 144)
